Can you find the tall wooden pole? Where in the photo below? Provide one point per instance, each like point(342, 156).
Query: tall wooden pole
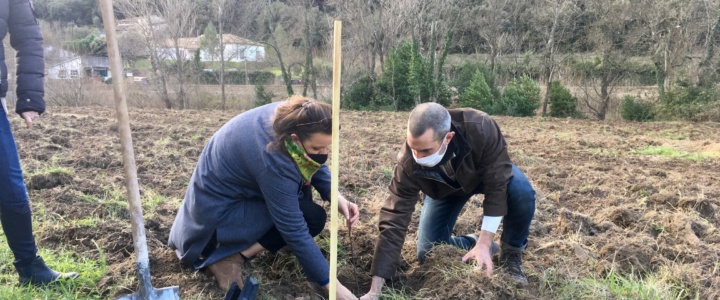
point(131, 179)
point(334, 184)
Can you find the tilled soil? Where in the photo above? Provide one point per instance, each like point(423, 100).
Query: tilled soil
point(601, 206)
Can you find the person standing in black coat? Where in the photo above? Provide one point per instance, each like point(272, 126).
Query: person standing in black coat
point(17, 19)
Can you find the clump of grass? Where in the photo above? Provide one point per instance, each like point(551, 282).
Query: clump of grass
point(395, 294)
point(84, 287)
point(661, 285)
point(387, 173)
point(670, 152)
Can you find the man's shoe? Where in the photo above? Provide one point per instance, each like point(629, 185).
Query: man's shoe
point(511, 260)
point(228, 270)
point(38, 273)
point(494, 248)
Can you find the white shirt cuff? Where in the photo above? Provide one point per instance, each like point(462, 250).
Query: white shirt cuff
point(491, 224)
point(4, 105)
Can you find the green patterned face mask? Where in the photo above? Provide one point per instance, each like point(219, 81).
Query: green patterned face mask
point(307, 166)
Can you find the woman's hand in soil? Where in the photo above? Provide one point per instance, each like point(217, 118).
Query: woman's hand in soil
point(349, 210)
point(375, 288)
point(341, 292)
point(481, 253)
point(370, 296)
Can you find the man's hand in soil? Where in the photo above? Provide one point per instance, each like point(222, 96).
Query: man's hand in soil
point(375, 288)
point(481, 252)
point(29, 117)
point(349, 210)
point(341, 292)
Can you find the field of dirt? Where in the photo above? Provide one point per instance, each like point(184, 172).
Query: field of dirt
point(603, 206)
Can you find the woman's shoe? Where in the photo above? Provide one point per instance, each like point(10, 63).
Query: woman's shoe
point(38, 273)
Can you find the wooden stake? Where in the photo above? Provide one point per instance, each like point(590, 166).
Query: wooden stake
point(334, 184)
point(146, 290)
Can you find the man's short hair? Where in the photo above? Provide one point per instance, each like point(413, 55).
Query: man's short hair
point(429, 116)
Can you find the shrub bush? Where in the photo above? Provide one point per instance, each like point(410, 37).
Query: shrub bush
point(393, 85)
point(408, 78)
point(635, 109)
point(262, 97)
point(690, 103)
point(562, 103)
point(520, 99)
point(359, 95)
point(261, 77)
point(478, 95)
point(464, 75)
point(237, 77)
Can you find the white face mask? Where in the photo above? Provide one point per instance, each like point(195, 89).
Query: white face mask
point(432, 159)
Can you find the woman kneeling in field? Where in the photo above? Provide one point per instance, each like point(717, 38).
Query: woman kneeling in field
point(251, 191)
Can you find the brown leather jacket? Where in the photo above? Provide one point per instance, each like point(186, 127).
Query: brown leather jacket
point(481, 160)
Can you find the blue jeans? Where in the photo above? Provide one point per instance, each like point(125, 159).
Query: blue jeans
point(14, 207)
point(438, 217)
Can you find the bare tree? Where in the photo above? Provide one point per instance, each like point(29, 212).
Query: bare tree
point(711, 26)
point(148, 26)
point(485, 24)
point(312, 32)
point(272, 23)
point(668, 32)
point(609, 36)
point(555, 18)
point(179, 15)
point(220, 9)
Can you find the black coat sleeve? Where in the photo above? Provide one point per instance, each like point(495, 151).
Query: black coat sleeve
point(26, 38)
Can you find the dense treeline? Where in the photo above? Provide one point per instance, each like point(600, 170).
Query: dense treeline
point(594, 45)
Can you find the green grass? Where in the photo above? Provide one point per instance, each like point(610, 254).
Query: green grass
point(671, 153)
point(52, 169)
point(387, 173)
point(84, 287)
point(395, 294)
point(660, 285)
point(143, 64)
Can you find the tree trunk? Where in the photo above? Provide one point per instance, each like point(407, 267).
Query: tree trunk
point(550, 59)
point(180, 62)
point(493, 52)
point(308, 53)
point(605, 83)
point(157, 65)
point(222, 57)
point(154, 61)
point(379, 39)
point(285, 73)
point(430, 83)
point(548, 85)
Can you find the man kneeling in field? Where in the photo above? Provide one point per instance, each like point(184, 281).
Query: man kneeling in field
point(451, 155)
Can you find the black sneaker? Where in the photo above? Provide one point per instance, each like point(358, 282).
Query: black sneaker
point(511, 260)
point(38, 273)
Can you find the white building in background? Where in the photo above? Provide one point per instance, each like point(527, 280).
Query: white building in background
point(79, 67)
point(237, 49)
point(141, 24)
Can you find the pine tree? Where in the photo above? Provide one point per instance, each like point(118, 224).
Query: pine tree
point(478, 95)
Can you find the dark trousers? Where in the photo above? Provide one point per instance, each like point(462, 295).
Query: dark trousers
point(14, 207)
point(315, 217)
point(438, 217)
